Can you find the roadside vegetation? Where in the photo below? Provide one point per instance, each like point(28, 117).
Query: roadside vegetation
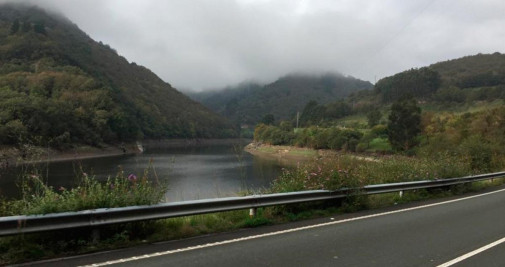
point(119, 191)
point(32, 247)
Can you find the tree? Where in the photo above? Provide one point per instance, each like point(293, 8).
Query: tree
point(312, 113)
point(420, 83)
point(373, 117)
point(27, 26)
point(40, 27)
point(404, 124)
point(268, 119)
point(286, 126)
point(15, 26)
point(338, 110)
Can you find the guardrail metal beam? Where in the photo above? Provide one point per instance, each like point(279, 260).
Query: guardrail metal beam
point(13, 225)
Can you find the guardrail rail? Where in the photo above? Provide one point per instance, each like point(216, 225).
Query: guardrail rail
point(14, 225)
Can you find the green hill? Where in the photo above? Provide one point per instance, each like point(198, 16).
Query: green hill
point(472, 71)
point(58, 87)
point(248, 103)
point(466, 79)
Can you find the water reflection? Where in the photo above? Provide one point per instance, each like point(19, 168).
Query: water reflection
point(194, 172)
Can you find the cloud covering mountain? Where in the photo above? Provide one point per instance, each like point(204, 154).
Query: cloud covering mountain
point(207, 44)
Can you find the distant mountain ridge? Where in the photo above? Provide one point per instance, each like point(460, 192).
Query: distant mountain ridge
point(59, 86)
point(249, 102)
point(472, 71)
point(477, 77)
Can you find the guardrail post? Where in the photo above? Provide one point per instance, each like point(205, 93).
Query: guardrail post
point(95, 235)
point(252, 212)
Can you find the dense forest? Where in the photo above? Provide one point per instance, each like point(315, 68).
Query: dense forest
point(467, 79)
point(249, 103)
point(59, 87)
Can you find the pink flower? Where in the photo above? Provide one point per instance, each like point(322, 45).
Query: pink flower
point(132, 177)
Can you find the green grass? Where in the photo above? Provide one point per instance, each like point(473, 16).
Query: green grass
point(304, 152)
point(379, 145)
point(354, 121)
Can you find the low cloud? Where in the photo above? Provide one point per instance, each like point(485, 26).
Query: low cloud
point(208, 44)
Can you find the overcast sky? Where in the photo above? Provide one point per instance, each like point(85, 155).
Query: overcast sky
point(198, 44)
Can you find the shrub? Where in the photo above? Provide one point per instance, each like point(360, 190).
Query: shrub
point(479, 152)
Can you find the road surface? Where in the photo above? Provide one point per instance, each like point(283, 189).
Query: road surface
point(430, 233)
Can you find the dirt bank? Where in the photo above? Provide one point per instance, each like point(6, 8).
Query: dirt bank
point(24, 155)
point(292, 156)
point(30, 154)
point(285, 155)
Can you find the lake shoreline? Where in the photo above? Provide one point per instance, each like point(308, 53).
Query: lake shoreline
point(14, 156)
point(294, 156)
point(284, 155)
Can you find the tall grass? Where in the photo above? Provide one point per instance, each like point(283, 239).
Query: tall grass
point(118, 191)
point(349, 171)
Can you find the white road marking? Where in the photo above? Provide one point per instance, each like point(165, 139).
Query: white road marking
point(472, 253)
point(289, 230)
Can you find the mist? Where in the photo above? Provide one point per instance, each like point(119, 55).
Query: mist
point(200, 45)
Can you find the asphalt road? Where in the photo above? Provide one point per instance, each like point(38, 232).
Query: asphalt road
point(421, 234)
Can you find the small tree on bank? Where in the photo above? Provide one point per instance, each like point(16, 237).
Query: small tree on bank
point(404, 124)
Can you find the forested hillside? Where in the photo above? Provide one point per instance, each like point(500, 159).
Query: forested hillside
point(248, 103)
point(466, 79)
point(472, 71)
point(59, 87)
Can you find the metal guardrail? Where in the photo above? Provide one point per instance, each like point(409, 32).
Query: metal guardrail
point(13, 225)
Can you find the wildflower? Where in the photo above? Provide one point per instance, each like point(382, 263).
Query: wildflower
point(132, 177)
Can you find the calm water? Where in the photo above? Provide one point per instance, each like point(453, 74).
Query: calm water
point(194, 172)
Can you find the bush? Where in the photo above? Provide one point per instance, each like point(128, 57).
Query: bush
point(479, 152)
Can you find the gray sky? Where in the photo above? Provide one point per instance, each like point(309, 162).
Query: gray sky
point(198, 44)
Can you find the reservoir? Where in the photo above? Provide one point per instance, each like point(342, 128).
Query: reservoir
point(191, 172)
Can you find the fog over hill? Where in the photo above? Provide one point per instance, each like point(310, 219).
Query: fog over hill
point(248, 102)
point(203, 44)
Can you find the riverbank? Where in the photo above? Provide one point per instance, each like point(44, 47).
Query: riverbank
point(284, 155)
point(293, 156)
point(169, 143)
point(31, 154)
point(26, 155)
